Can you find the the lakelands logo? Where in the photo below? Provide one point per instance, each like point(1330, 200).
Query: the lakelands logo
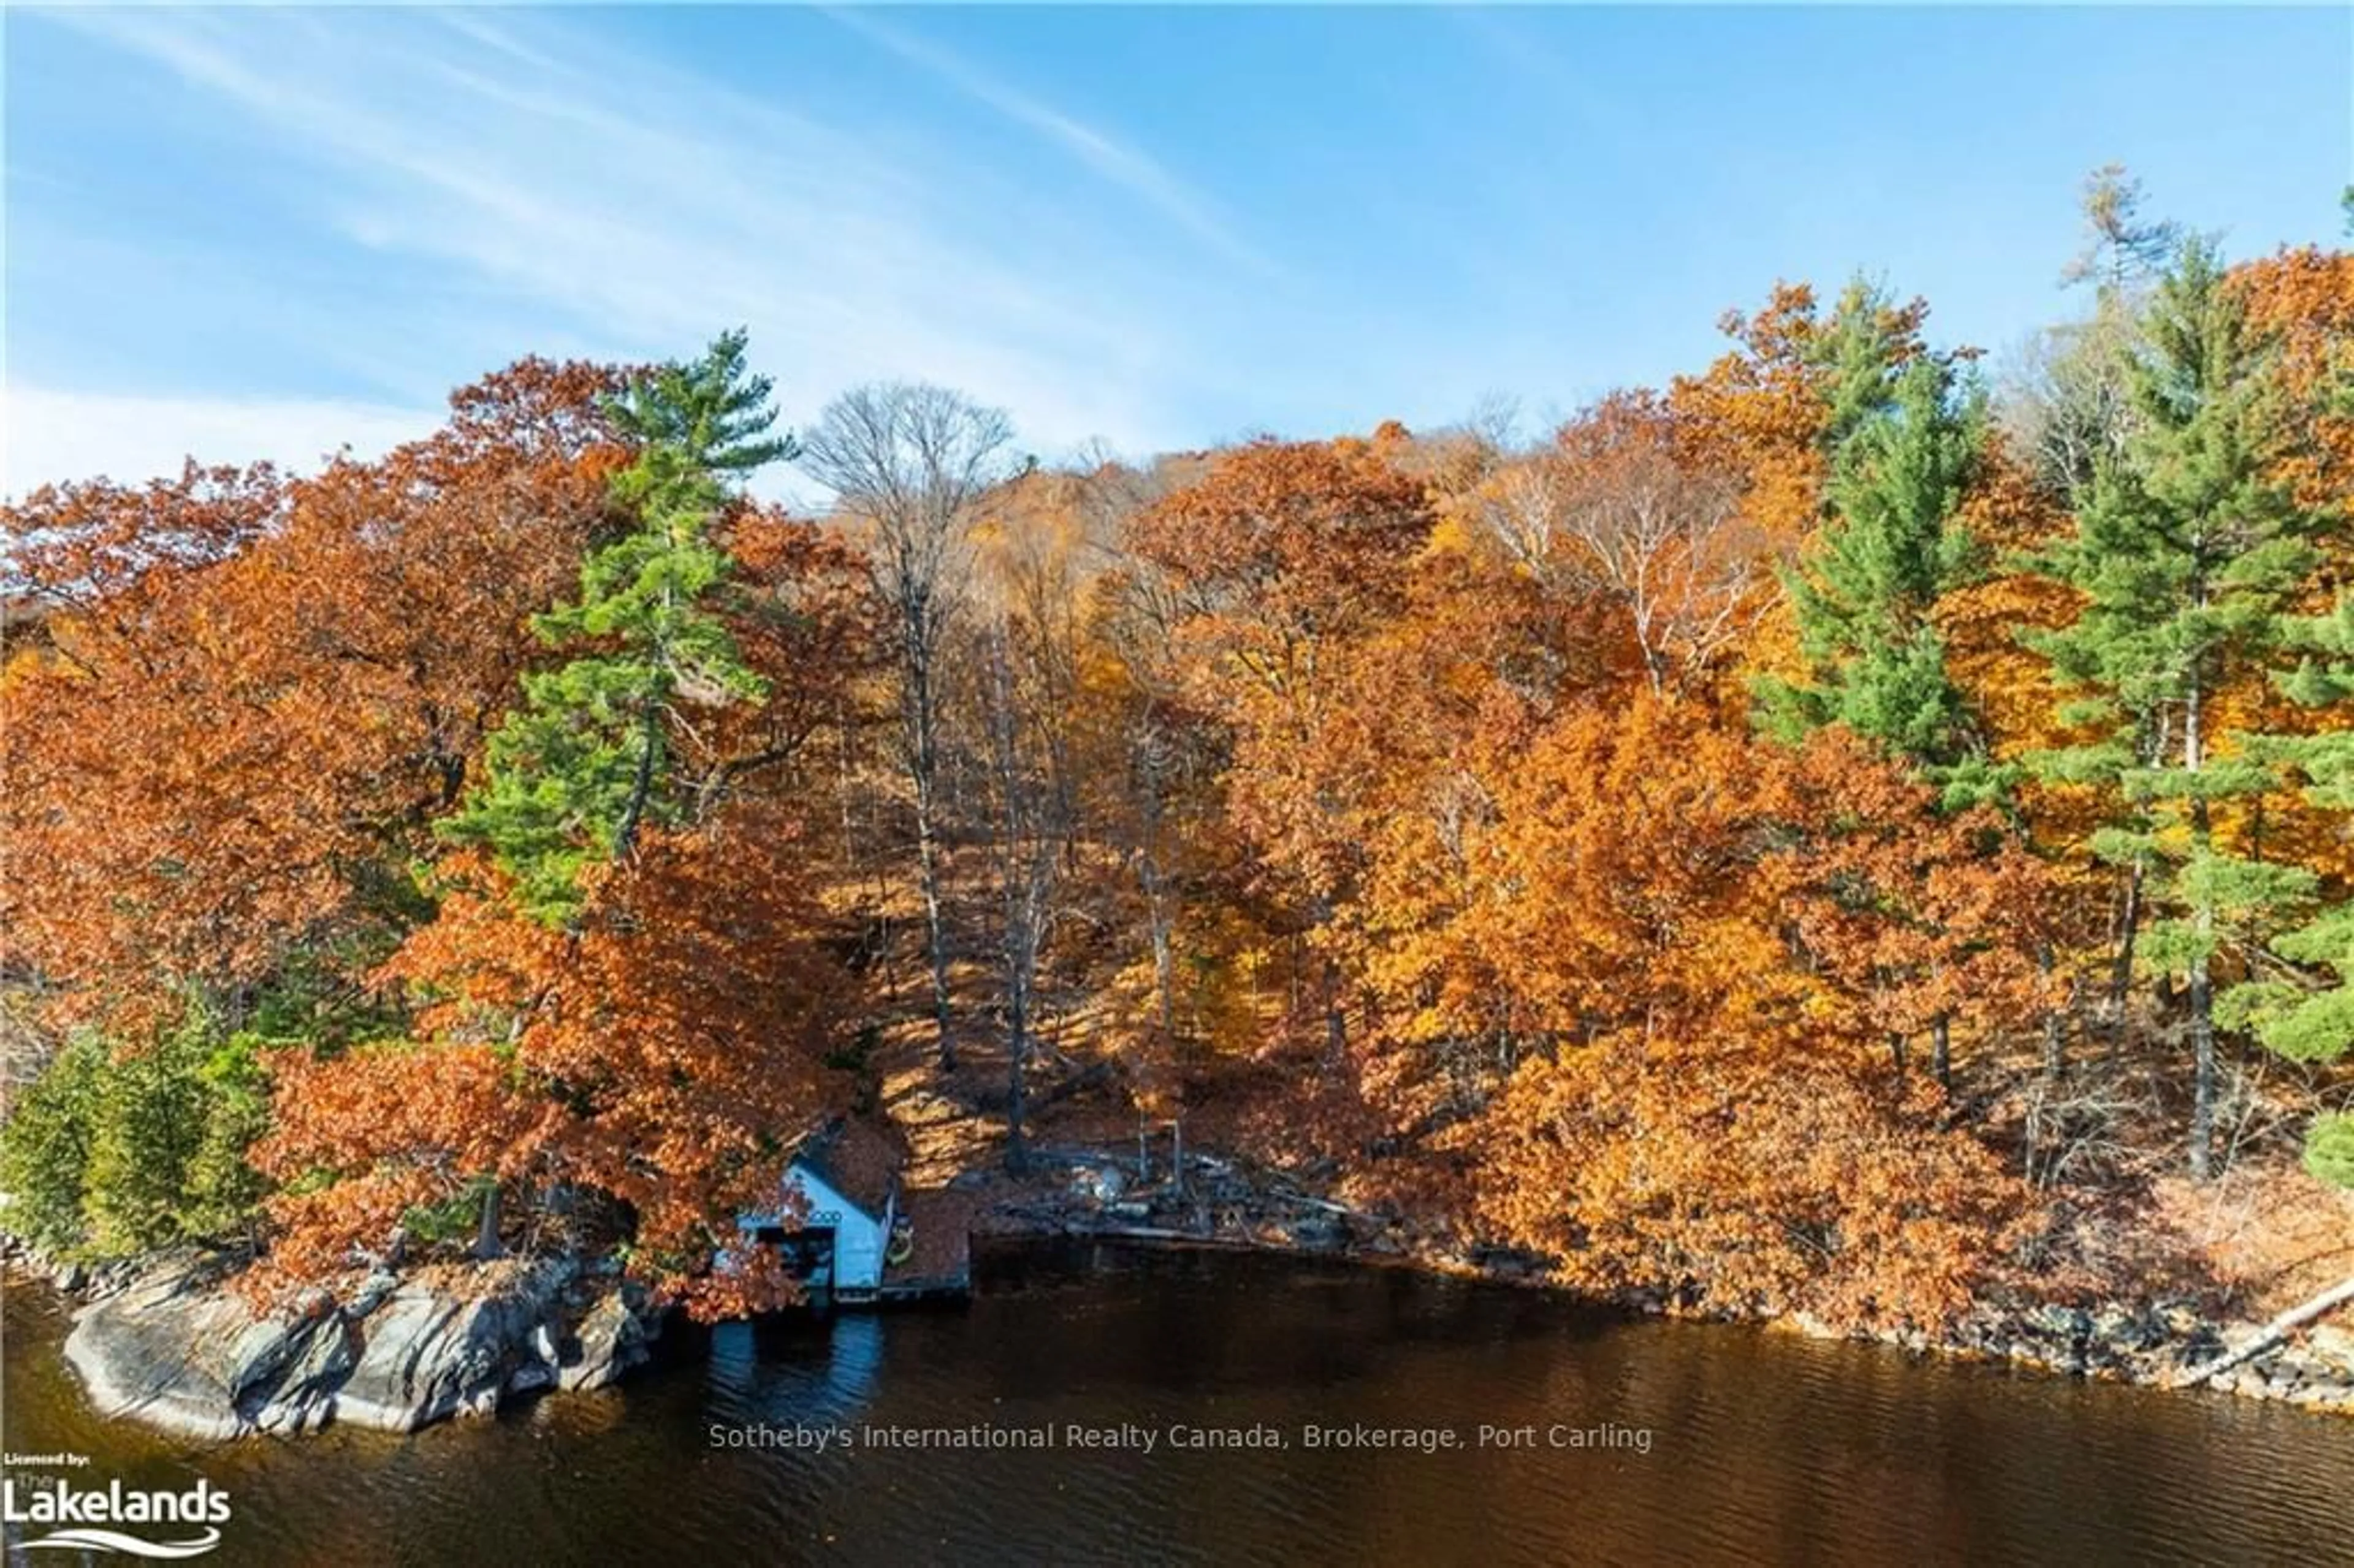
point(183, 1522)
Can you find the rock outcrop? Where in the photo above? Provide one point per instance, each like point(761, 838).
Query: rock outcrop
point(177, 1348)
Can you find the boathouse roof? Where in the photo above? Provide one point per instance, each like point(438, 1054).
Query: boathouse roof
point(857, 1159)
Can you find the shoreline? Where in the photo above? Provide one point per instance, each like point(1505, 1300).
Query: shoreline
point(2149, 1344)
point(158, 1342)
point(2146, 1345)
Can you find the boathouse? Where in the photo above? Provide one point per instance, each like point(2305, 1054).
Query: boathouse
point(858, 1236)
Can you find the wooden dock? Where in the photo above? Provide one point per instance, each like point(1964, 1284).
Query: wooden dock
point(938, 1260)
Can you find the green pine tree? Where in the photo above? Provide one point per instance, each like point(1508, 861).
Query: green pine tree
point(2186, 553)
point(115, 1149)
point(1865, 591)
point(154, 1111)
point(2301, 1022)
point(221, 1192)
point(587, 762)
point(44, 1147)
point(2329, 1150)
point(1861, 355)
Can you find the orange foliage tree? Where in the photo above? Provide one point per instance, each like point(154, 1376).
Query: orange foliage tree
point(658, 1058)
point(655, 1049)
point(1701, 1113)
point(1630, 509)
point(1276, 559)
point(252, 695)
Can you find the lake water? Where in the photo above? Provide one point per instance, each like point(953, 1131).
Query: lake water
point(1644, 1442)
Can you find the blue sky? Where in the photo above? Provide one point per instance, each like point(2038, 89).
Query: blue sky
point(262, 232)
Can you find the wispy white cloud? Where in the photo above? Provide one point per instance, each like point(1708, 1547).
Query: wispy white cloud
point(49, 437)
point(1125, 166)
point(527, 189)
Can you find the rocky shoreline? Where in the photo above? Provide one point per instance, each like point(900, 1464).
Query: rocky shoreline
point(2153, 1345)
point(2156, 1344)
point(163, 1341)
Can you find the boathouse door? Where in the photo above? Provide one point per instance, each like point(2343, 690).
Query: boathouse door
point(808, 1254)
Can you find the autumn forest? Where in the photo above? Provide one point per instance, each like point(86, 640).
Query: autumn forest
point(1864, 825)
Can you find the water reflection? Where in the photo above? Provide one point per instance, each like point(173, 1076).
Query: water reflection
point(814, 1368)
point(1765, 1447)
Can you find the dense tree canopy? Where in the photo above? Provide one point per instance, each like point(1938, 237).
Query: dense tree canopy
point(1694, 845)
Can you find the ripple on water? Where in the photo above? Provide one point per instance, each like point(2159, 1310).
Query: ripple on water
point(1764, 1446)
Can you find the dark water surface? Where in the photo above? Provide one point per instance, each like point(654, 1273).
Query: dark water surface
point(1763, 1447)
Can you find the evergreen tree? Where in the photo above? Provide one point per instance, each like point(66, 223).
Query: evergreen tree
point(2187, 553)
point(1865, 591)
point(2120, 245)
point(1860, 353)
point(221, 1191)
point(44, 1147)
point(2329, 1148)
point(2301, 1023)
point(577, 771)
point(114, 1150)
point(151, 1115)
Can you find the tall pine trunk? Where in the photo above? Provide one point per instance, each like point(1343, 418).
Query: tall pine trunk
point(2202, 1072)
point(1165, 957)
point(642, 784)
point(2121, 980)
point(2202, 990)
